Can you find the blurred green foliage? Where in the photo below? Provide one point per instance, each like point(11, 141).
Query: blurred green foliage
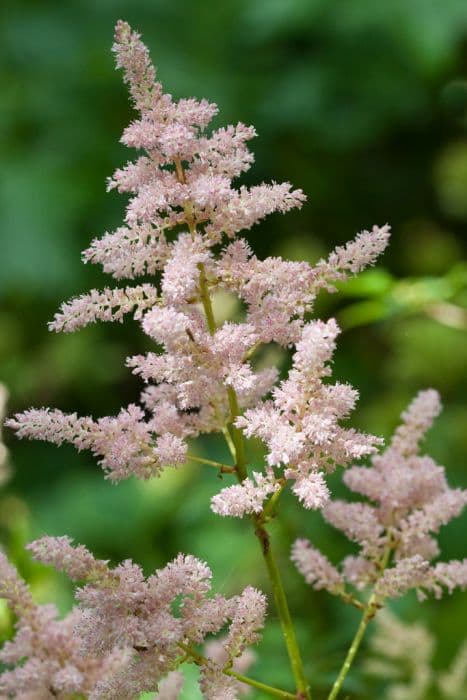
point(361, 103)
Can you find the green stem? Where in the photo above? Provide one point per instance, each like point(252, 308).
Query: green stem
point(223, 468)
point(369, 612)
point(237, 435)
point(280, 599)
point(269, 689)
point(269, 509)
point(200, 660)
point(229, 441)
point(234, 439)
point(206, 299)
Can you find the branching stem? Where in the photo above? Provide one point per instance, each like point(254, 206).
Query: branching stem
point(280, 599)
point(223, 468)
point(369, 612)
point(234, 439)
point(238, 451)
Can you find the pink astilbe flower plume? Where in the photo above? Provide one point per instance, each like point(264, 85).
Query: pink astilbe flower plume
point(218, 655)
point(147, 622)
point(412, 500)
point(182, 204)
point(44, 659)
point(182, 226)
point(300, 425)
point(124, 443)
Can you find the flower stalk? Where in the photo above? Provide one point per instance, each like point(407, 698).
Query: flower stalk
point(282, 606)
point(223, 468)
point(369, 612)
point(237, 442)
point(368, 615)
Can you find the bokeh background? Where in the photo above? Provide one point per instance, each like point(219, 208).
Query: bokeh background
point(363, 104)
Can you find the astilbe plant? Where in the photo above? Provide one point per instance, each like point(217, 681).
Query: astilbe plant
point(129, 634)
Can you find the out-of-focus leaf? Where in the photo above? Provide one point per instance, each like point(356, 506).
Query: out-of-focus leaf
point(370, 283)
point(365, 312)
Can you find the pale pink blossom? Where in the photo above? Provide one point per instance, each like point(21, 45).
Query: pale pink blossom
point(215, 685)
point(44, 659)
point(183, 181)
point(108, 305)
point(182, 210)
point(215, 651)
point(407, 573)
point(119, 609)
point(76, 561)
point(247, 622)
point(416, 421)
point(247, 207)
point(245, 498)
point(125, 443)
point(453, 681)
point(300, 425)
point(359, 522)
point(233, 651)
point(316, 568)
point(181, 273)
point(129, 252)
point(353, 257)
point(412, 501)
point(359, 571)
point(171, 686)
point(403, 655)
point(225, 151)
point(310, 489)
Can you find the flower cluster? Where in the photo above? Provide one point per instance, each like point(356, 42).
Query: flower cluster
point(124, 442)
point(201, 375)
point(127, 632)
point(44, 660)
point(300, 425)
point(412, 500)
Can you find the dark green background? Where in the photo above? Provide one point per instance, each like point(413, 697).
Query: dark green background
point(363, 104)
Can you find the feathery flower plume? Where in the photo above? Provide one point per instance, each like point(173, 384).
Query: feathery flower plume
point(184, 181)
point(44, 659)
point(300, 425)
point(146, 622)
point(316, 569)
point(402, 653)
point(215, 651)
point(453, 682)
point(183, 220)
point(412, 500)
